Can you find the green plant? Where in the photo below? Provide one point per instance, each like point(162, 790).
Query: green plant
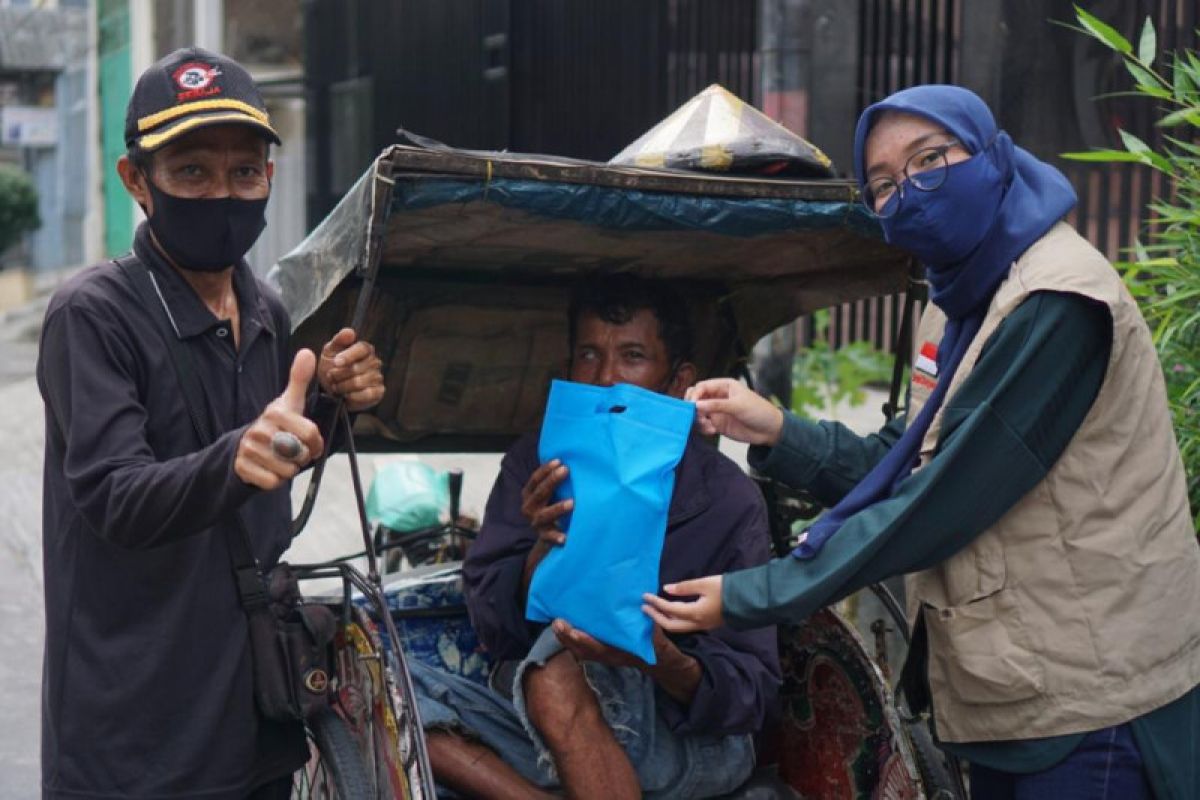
point(1165, 273)
point(18, 206)
point(823, 377)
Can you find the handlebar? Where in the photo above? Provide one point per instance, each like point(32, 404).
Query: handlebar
point(455, 481)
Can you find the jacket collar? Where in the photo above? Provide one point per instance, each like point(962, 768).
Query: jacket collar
point(188, 313)
point(691, 496)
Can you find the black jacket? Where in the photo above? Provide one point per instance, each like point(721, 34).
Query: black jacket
point(147, 688)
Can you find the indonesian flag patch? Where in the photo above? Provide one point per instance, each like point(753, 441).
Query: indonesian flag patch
point(925, 368)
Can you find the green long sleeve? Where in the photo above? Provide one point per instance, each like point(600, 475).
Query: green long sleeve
point(825, 457)
point(1001, 432)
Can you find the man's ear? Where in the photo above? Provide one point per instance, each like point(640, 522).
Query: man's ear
point(270, 170)
point(135, 183)
point(685, 376)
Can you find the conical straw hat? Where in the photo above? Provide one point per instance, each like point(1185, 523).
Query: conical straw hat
point(716, 131)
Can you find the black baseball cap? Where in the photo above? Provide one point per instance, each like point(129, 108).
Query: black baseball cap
point(192, 88)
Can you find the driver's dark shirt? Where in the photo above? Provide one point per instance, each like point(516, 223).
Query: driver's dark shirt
point(717, 522)
point(147, 688)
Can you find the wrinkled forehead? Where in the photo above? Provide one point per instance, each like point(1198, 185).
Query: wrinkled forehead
point(641, 326)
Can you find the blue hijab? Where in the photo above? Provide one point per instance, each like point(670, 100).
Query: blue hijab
point(990, 209)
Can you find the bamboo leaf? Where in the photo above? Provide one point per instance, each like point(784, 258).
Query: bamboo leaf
point(1188, 115)
point(1147, 82)
point(1157, 263)
point(1147, 45)
point(1103, 32)
point(1185, 82)
point(1105, 155)
point(1140, 252)
point(1187, 146)
point(1154, 91)
point(1160, 163)
point(1132, 143)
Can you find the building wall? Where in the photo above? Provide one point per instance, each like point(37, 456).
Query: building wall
point(60, 173)
point(115, 86)
point(43, 66)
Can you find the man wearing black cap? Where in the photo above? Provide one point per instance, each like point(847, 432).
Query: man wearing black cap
point(147, 685)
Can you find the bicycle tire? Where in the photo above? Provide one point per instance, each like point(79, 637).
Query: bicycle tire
point(932, 764)
point(338, 760)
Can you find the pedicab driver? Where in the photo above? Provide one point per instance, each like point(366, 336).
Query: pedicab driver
point(147, 687)
point(1033, 495)
point(569, 713)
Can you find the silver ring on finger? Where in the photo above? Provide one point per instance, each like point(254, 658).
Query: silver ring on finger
point(286, 445)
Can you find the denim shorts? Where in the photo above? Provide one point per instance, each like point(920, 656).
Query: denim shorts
point(668, 765)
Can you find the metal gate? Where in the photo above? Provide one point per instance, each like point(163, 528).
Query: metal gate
point(580, 78)
point(590, 76)
point(901, 43)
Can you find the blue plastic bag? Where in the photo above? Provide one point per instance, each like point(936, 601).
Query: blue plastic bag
point(621, 445)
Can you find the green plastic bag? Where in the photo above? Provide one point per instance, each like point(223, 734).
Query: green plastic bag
point(408, 496)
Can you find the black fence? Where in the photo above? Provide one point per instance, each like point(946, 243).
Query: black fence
point(590, 76)
point(904, 43)
point(580, 78)
point(901, 43)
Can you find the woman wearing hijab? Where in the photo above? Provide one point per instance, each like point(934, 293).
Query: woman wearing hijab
point(1033, 494)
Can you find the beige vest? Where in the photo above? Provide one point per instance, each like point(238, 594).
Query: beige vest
point(1080, 608)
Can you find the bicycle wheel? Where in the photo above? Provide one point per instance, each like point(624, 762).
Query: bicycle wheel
point(935, 768)
point(335, 768)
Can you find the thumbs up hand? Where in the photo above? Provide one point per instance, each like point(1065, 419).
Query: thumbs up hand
point(257, 462)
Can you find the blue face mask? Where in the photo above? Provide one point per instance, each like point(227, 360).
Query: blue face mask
point(943, 226)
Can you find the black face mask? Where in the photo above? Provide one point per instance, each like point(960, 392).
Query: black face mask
point(206, 234)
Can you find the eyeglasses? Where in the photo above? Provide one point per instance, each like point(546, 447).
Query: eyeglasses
point(925, 170)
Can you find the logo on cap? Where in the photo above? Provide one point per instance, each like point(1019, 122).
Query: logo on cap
point(195, 78)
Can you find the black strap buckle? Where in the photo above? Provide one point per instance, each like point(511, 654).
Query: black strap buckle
point(251, 587)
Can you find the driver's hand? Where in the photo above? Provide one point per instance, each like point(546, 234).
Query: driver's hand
point(257, 462)
point(350, 369)
point(730, 408)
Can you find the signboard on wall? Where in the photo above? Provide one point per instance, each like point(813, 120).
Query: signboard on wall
point(28, 126)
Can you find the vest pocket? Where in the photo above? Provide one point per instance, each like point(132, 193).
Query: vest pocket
point(979, 652)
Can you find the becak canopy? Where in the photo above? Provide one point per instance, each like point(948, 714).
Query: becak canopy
point(715, 131)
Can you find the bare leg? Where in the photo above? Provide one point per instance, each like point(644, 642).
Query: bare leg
point(474, 770)
point(565, 711)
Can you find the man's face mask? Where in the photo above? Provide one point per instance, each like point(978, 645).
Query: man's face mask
point(206, 234)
